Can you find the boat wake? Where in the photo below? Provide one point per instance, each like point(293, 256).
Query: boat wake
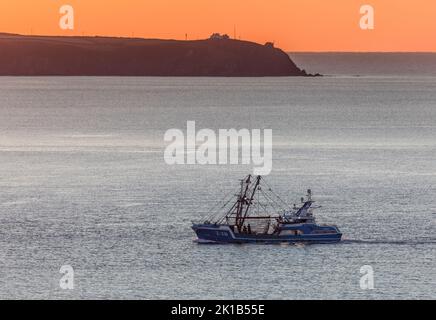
point(397, 242)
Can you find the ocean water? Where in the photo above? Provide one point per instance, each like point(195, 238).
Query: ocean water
point(380, 64)
point(84, 183)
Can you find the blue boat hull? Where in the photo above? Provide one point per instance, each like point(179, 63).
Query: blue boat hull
point(211, 233)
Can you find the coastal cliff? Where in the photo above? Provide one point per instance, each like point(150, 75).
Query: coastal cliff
point(107, 56)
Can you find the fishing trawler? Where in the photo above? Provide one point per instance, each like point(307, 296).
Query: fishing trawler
point(247, 220)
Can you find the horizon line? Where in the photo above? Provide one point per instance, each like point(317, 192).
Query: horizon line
point(350, 51)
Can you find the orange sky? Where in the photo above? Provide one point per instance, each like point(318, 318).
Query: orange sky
point(294, 25)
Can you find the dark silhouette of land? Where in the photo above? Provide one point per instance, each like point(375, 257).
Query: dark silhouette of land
point(108, 56)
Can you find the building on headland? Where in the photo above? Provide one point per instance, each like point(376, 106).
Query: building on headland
point(218, 36)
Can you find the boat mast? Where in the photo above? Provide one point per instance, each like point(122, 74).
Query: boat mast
point(242, 199)
point(241, 223)
point(238, 202)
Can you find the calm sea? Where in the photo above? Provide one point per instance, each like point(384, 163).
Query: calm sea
point(84, 183)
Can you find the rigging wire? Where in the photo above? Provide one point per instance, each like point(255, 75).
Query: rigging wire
point(274, 205)
point(269, 195)
point(212, 212)
point(276, 195)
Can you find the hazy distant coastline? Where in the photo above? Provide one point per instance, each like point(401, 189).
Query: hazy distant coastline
point(108, 56)
point(367, 63)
